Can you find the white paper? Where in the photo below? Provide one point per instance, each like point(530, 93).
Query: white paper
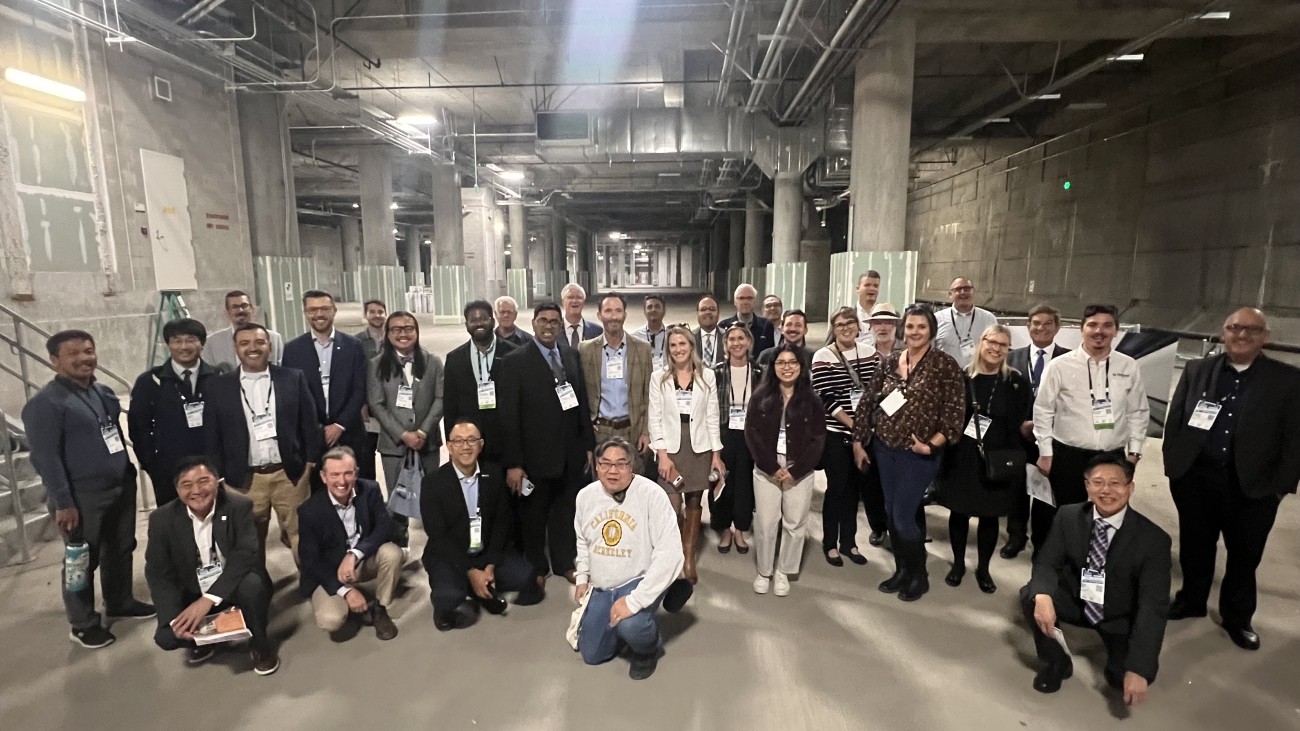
point(893, 402)
point(1038, 486)
point(1059, 636)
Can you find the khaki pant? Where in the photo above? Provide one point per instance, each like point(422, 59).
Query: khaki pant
point(780, 512)
point(378, 573)
point(275, 491)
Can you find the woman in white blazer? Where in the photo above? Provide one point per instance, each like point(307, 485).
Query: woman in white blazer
point(683, 416)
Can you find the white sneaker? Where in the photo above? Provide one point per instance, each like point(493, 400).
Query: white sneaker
point(761, 584)
point(780, 584)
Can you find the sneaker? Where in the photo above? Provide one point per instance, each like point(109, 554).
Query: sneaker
point(761, 584)
point(134, 610)
point(780, 584)
point(92, 637)
point(385, 629)
point(265, 661)
point(200, 654)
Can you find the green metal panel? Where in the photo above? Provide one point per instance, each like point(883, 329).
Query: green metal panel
point(789, 281)
point(897, 277)
point(382, 282)
point(281, 280)
point(450, 293)
point(520, 287)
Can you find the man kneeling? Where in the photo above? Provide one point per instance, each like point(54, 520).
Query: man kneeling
point(204, 556)
point(629, 557)
point(344, 542)
point(466, 512)
point(1105, 566)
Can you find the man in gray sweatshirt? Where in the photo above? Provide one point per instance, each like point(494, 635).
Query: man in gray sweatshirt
point(629, 558)
point(73, 426)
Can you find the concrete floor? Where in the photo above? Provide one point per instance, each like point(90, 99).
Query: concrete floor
point(835, 654)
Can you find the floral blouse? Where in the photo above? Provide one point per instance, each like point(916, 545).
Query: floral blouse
point(935, 401)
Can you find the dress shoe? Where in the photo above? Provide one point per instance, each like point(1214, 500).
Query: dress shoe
point(955, 576)
point(855, 557)
point(677, 594)
point(200, 654)
point(265, 660)
point(385, 629)
point(532, 594)
point(1048, 680)
point(917, 586)
point(780, 584)
point(836, 561)
point(724, 547)
point(1244, 636)
point(134, 610)
point(741, 548)
point(876, 538)
point(1180, 609)
point(762, 584)
point(1013, 548)
point(984, 581)
point(895, 582)
point(643, 666)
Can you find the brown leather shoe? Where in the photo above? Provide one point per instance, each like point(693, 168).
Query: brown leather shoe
point(265, 661)
point(384, 627)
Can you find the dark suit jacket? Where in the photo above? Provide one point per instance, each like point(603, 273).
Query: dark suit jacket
point(322, 540)
point(446, 518)
point(760, 328)
point(539, 435)
point(1137, 579)
point(297, 431)
point(347, 379)
point(719, 347)
point(1019, 358)
point(1266, 445)
point(460, 394)
point(518, 338)
point(160, 433)
point(171, 557)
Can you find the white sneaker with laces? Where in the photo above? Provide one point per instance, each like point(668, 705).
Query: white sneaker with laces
point(780, 584)
point(761, 584)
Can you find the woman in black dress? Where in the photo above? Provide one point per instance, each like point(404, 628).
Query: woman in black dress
point(1004, 401)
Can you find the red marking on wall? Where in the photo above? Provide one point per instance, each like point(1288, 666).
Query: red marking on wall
point(218, 216)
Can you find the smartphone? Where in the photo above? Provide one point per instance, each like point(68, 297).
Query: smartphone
point(677, 481)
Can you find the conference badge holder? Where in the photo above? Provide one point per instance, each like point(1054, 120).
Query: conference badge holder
point(1204, 415)
point(194, 414)
point(568, 400)
point(405, 397)
point(1092, 586)
point(112, 438)
point(487, 395)
point(263, 427)
point(1103, 415)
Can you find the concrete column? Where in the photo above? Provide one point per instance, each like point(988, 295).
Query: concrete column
point(350, 231)
point(518, 233)
point(787, 217)
point(736, 239)
point(268, 175)
point(414, 244)
point(559, 240)
point(378, 245)
point(882, 129)
point(754, 233)
point(448, 218)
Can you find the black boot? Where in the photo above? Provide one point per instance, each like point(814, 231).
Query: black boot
point(899, 579)
point(918, 579)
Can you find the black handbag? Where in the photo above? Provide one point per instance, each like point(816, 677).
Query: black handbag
point(1002, 465)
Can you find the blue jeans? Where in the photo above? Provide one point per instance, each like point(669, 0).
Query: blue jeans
point(904, 475)
point(598, 642)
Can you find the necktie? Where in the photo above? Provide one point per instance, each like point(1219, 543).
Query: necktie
point(1097, 549)
point(573, 337)
point(708, 348)
point(556, 368)
point(1036, 373)
point(186, 383)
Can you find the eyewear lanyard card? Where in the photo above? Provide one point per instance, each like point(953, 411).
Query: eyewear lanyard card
point(568, 400)
point(112, 438)
point(893, 402)
point(208, 575)
point(263, 427)
point(614, 367)
point(487, 395)
point(780, 441)
point(1103, 414)
point(736, 418)
point(476, 533)
point(405, 397)
point(855, 396)
point(194, 414)
point(1204, 415)
point(684, 401)
point(1092, 586)
point(983, 426)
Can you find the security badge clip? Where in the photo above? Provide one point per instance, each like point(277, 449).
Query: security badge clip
point(208, 575)
point(684, 401)
point(405, 397)
point(112, 438)
point(1103, 414)
point(263, 427)
point(1092, 586)
point(1204, 415)
point(736, 418)
point(614, 368)
point(194, 414)
point(476, 533)
point(487, 395)
point(983, 426)
point(568, 399)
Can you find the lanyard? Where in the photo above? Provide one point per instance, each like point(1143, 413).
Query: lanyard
point(910, 370)
point(270, 394)
point(1092, 393)
point(618, 352)
point(731, 385)
point(853, 372)
point(952, 315)
point(1238, 377)
point(484, 362)
point(988, 407)
point(654, 339)
point(102, 420)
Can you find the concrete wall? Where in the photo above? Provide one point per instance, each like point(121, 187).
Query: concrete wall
point(324, 245)
point(1177, 213)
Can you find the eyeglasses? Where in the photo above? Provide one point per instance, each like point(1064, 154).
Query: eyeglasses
point(1099, 484)
point(1236, 329)
point(464, 441)
point(402, 329)
point(786, 364)
point(998, 344)
point(239, 307)
point(846, 325)
point(606, 464)
point(320, 310)
point(962, 289)
point(546, 322)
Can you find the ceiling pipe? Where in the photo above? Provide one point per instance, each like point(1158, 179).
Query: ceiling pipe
point(734, 33)
point(864, 15)
point(767, 69)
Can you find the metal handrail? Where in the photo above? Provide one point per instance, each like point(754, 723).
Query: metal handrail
point(15, 495)
point(19, 348)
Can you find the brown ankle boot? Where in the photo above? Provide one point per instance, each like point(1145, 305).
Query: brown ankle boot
point(690, 538)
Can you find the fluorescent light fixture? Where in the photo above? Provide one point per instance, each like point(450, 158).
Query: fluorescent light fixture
point(418, 120)
point(493, 167)
point(615, 236)
point(512, 175)
point(1216, 15)
point(393, 205)
point(428, 241)
point(1047, 97)
point(997, 120)
point(1128, 57)
point(44, 85)
point(670, 175)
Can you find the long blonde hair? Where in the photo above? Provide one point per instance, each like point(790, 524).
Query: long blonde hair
point(1004, 372)
point(697, 366)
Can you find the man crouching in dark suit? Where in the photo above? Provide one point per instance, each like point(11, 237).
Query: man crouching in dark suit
point(466, 512)
point(343, 543)
point(207, 535)
point(1104, 566)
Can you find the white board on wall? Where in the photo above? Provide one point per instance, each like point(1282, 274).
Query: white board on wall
point(168, 204)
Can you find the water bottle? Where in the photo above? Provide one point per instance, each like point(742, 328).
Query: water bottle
point(76, 567)
point(714, 477)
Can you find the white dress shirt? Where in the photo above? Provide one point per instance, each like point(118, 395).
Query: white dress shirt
point(864, 324)
point(1115, 521)
point(325, 353)
point(208, 551)
point(257, 391)
point(348, 515)
point(1063, 406)
point(958, 331)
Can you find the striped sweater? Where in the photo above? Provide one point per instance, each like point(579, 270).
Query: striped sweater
point(833, 383)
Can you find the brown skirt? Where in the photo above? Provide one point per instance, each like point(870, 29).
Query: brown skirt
point(693, 467)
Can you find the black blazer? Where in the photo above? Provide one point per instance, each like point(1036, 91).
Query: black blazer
point(460, 395)
point(347, 379)
point(762, 330)
point(160, 433)
point(171, 557)
point(538, 434)
point(297, 432)
point(322, 540)
point(446, 518)
point(1266, 446)
point(1137, 578)
point(1019, 358)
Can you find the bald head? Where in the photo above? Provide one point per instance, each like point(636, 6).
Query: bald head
point(1245, 333)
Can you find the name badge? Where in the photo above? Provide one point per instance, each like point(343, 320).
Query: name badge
point(112, 438)
point(208, 576)
point(263, 427)
point(475, 534)
point(1092, 586)
point(736, 418)
point(984, 424)
point(893, 402)
point(487, 395)
point(967, 350)
point(405, 397)
point(1103, 415)
point(855, 396)
point(684, 401)
point(568, 400)
point(194, 414)
point(780, 441)
point(614, 368)
point(658, 362)
point(1204, 415)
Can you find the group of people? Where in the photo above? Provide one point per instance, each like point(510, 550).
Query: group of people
point(585, 451)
